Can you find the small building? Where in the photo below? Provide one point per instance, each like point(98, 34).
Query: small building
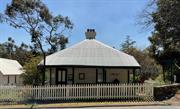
point(89, 61)
point(10, 71)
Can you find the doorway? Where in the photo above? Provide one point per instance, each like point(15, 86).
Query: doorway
point(61, 76)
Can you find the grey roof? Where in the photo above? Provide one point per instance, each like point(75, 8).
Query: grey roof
point(10, 67)
point(91, 52)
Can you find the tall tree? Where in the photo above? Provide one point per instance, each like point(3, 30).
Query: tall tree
point(165, 40)
point(127, 44)
point(35, 18)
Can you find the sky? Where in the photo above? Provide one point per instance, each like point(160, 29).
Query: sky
point(112, 20)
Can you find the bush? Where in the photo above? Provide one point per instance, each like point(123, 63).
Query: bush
point(32, 75)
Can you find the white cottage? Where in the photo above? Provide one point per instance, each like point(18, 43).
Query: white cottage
point(89, 61)
point(10, 71)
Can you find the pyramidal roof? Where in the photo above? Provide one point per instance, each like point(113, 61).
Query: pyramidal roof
point(91, 52)
point(10, 67)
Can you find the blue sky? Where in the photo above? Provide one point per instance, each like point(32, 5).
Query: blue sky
point(113, 20)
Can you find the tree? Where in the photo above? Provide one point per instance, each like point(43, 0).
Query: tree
point(2, 51)
point(165, 40)
point(32, 73)
point(9, 46)
point(62, 44)
point(149, 67)
point(10, 50)
point(128, 43)
point(23, 53)
point(35, 18)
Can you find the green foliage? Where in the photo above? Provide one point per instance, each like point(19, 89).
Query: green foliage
point(149, 67)
point(164, 15)
point(166, 19)
point(20, 53)
point(35, 18)
point(159, 79)
point(127, 44)
point(32, 74)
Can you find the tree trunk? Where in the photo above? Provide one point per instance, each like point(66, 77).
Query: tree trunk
point(44, 62)
point(44, 69)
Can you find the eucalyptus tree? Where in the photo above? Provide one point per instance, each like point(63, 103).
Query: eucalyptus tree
point(34, 17)
point(164, 17)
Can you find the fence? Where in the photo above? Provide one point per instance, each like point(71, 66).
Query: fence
point(77, 92)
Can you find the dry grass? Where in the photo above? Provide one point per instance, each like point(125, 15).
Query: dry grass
point(83, 104)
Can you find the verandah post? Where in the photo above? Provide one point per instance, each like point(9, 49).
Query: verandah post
point(128, 76)
point(133, 75)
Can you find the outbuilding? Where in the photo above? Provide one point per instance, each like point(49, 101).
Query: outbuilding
point(10, 71)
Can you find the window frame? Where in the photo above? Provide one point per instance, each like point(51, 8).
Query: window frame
point(81, 76)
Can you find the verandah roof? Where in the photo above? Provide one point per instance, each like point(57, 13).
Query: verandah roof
point(91, 52)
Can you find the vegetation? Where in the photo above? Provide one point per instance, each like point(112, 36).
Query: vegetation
point(164, 16)
point(43, 27)
point(34, 17)
point(149, 67)
point(32, 74)
point(10, 50)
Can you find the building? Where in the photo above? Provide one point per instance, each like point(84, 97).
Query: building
point(89, 61)
point(10, 71)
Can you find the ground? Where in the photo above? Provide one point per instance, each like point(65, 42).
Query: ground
point(138, 107)
point(173, 103)
point(85, 105)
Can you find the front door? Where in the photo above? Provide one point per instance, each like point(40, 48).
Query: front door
point(61, 76)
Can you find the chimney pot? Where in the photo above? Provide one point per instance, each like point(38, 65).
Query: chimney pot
point(90, 34)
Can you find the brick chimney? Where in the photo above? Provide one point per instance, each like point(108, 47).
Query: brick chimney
point(90, 34)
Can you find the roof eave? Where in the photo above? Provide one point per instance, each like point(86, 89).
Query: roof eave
point(90, 66)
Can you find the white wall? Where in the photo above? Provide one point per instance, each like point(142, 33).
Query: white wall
point(90, 75)
point(119, 74)
point(4, 80)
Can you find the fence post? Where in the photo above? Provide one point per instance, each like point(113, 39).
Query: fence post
point(67, 91)
point(97, 86)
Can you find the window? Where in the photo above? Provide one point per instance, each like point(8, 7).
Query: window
point(81, 76)
point(100, 78)
point(61, 75)
point(100, 75)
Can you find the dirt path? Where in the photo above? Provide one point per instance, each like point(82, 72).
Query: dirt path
point(174, 100)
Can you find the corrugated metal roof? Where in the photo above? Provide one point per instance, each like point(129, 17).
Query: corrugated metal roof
point(10, 67)
point(91, 53)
